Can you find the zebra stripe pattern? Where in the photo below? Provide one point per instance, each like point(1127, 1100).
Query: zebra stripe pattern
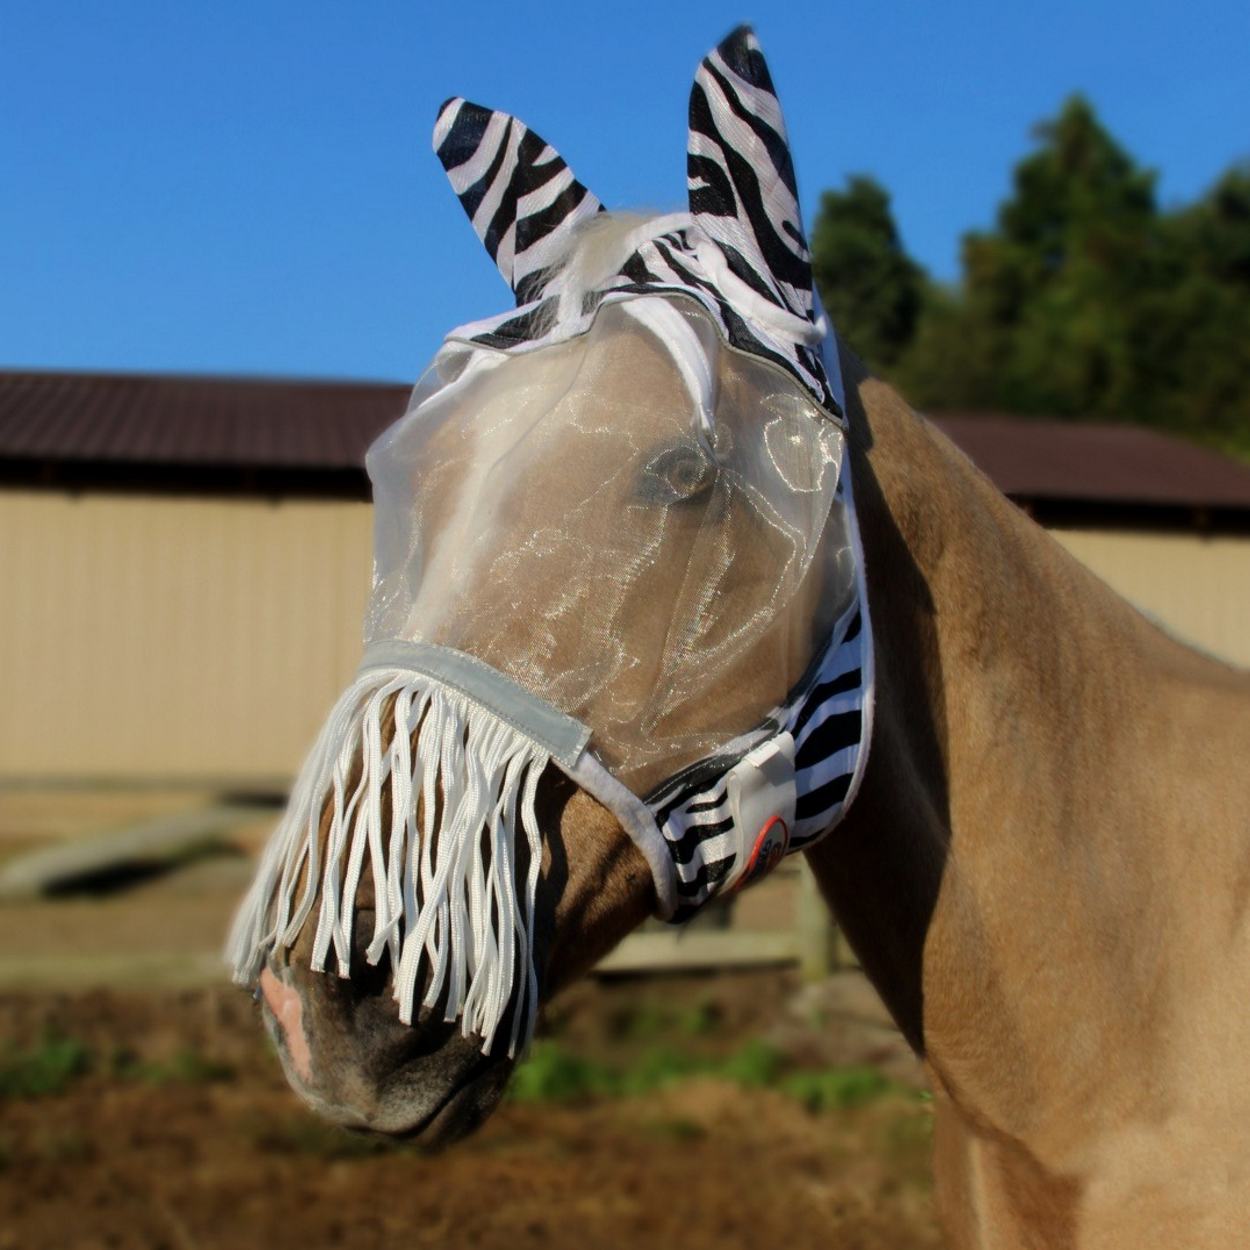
point(516, 190)
point(741, 177)
point(742, 255)
point(826, 714)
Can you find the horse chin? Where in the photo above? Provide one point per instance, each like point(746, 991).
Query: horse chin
point(463, 1112)
point(427, 1084)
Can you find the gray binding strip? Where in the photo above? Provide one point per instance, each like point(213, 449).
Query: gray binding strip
point(562, 737)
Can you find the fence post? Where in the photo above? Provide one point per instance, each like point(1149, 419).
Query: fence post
point(816, 934)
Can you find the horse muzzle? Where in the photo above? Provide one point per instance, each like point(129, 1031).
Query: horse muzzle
point(351, 1060)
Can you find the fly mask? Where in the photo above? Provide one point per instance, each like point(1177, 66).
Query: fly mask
point(614, 534)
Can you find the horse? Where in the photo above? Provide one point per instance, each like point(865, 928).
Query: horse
point(1045, 874)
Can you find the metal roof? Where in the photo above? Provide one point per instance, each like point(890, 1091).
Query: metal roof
point(156, 419)
point(1067, 461)
point(285, 430)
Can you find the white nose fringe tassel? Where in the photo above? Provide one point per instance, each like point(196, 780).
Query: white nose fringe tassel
point(445, 892)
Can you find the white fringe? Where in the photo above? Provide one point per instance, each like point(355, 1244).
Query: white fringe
point(446, 893)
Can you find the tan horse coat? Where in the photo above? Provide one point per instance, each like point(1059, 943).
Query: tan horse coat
point(1045, 875)
point(1047, 871)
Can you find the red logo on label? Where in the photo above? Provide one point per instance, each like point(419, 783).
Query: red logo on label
point(770, 846)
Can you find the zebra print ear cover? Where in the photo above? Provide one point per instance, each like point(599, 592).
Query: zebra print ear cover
point(741, 254)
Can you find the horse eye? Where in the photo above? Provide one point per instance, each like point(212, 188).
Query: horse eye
point(676, 475)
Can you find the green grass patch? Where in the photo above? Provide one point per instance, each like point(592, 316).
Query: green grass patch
point(48, 1068)
point(551, 1073)
point(184, 1067)
point(652, 1020)
point(837, 1088)
point(700, 1019)
point(57, 1062)
point(756, 1065)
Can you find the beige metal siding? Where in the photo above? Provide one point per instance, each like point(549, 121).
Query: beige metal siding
point(1199, 587)
point(172, 637)
point(159, 637)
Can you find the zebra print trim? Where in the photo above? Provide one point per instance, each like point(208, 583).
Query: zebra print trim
point(741, 252)
point(519, 194)
point(742, 188)
point(829, 714)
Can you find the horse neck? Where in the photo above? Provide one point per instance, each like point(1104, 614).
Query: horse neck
point(1021, 831)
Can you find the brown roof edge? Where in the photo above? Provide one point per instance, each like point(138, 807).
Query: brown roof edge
point(121, 477)
point(309, 436)
point(221, 425)
point(1042, 459)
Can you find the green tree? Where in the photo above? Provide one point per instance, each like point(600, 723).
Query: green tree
point(1083, 300)
point(871, 287)
point(1196, 323)
point(1049, 294)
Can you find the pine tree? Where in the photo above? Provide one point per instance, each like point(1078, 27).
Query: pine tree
point(870, 286)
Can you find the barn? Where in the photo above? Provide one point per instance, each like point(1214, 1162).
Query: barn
point(187, 559)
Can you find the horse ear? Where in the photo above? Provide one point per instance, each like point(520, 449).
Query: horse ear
point(742, 189)
point(519, 194)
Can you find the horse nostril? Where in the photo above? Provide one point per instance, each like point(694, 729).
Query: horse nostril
point(288, 1011)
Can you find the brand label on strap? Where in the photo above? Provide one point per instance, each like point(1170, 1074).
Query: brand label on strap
point(762, 796)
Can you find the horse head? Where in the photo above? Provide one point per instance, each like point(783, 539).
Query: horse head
point(615, 659)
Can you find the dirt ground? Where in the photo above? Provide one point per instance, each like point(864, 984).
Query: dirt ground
point(140, 1105)
point(176, 1130)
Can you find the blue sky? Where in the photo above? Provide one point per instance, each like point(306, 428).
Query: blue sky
point(248, 187)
